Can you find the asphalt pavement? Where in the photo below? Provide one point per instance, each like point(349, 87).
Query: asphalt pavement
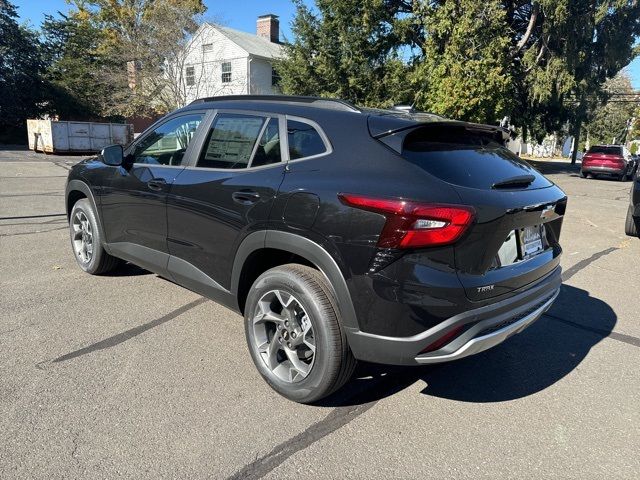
point(132, 376)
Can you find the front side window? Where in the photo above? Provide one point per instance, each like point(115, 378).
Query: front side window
point(235, 138)
point(304, 140)
point(167, 144)
point(190, 76)
point(207, 47)
point(226, 72)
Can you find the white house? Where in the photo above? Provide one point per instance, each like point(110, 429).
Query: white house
point(223, 61)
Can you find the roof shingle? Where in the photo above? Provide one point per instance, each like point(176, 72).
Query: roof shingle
point(253, 44)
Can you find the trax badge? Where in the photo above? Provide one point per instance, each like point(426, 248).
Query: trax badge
point(486, 288)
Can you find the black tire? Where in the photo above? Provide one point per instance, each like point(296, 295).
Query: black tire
point(99, 261)
point(630, 173)
point(584, 174)
point(333, 363)
point(631, 223)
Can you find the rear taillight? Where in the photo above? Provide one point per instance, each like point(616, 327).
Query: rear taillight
point(412, 225)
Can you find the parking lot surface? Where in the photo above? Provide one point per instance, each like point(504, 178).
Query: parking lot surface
point(132, 376)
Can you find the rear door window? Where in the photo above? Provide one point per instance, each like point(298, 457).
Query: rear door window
point(304, 140)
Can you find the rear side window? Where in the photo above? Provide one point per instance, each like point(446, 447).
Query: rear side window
point(304, 140)
point(606, 150)
point(462, 158)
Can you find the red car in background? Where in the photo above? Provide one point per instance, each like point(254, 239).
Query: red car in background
point(611, 160)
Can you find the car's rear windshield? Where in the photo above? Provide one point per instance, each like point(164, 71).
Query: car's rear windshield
point(606, 150)
point(466, 159)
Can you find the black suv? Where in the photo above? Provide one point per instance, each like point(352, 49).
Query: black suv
point(632, 223)
point(339, 233)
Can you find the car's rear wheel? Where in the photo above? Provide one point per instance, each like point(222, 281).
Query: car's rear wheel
point(87, 242)
point(584, 174)
point(631, 223)
point(294, 334)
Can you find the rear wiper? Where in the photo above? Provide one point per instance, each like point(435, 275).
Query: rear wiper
point(515, 182)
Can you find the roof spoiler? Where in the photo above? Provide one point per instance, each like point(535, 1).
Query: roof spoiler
point(392, 130)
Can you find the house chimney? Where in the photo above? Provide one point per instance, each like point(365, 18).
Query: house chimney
point(268, 26)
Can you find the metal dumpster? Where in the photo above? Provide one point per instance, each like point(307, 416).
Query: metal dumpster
point(54, 136)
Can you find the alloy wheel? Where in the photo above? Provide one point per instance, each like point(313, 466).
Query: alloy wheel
point(283, 336)
point(82, 237)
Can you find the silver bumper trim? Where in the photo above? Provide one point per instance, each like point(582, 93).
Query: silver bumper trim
point(480, 344)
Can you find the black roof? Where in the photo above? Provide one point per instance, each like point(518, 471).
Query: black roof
point(381, 121)
point(330, 103)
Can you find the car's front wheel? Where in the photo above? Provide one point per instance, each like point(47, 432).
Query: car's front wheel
point(294, 334)
point(87, 242)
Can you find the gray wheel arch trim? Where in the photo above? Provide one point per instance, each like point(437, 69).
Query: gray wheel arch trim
point(84, 188)
point(305, 248)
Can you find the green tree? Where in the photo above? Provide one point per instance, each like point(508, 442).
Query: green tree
point(71, 42)
point(541, 62)
point(634, 131)
point(348, 49)
point(608, 122)
point(21, 69)
point(465, 69)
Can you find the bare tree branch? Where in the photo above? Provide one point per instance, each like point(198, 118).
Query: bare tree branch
point(527, 34)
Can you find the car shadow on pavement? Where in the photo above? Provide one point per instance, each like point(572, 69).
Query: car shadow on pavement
point(127, 270)
point(525, 364)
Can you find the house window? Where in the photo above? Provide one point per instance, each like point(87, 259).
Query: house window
point(207, 47)
point(275, 78)
point(191, 76)
point(226, 72)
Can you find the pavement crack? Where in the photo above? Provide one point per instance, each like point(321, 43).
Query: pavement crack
point(570, 272)
point(129, 334)
point(335, 420)
point(621, 337)
point(74, 452)
point(31, 233)
point(23, 217)
point(359, 403)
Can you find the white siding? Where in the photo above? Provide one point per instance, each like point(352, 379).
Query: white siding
point(261, 77)
point(208, 67)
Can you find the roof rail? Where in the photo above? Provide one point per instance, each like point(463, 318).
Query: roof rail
point(332, 103)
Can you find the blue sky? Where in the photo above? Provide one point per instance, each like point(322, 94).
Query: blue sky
point(239, 14)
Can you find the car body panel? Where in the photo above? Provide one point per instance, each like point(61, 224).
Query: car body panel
point(197, 232)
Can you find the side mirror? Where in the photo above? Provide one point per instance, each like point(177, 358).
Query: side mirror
point(112, 155)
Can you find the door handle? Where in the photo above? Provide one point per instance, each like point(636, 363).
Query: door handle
point(245, 197)
point(156, 184)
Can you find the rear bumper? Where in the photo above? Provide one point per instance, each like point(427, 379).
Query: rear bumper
point(600, 169)
point(482, 328)
point(484, 342)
